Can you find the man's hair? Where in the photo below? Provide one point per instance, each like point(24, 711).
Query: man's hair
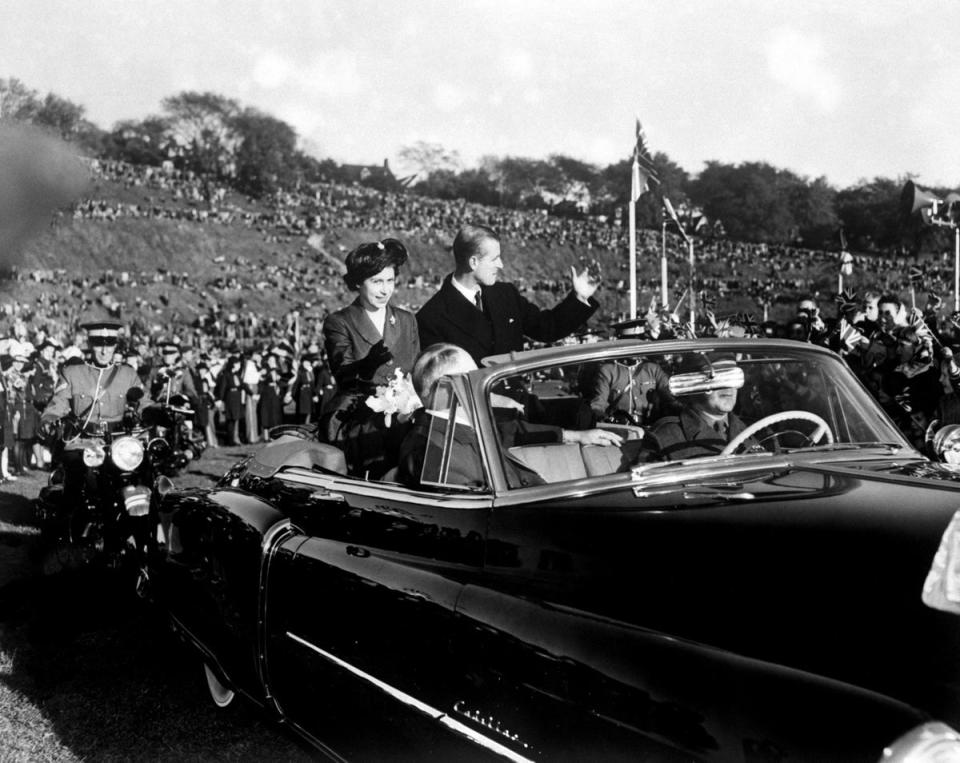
point(872, 294)
point(435, 362)
point(890, 299)
point(468, 241)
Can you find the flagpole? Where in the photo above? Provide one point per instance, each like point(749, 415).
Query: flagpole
point(633, 259)
point(693, 286)
point(664, 293)
point(956, 268)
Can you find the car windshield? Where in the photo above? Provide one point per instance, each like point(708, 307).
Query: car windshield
point(568, 421)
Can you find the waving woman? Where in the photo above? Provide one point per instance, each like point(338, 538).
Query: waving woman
point(366, 342)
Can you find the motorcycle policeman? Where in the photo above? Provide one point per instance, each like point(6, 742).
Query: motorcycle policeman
point(83, 506)
point(96, 391)
point(171, 377)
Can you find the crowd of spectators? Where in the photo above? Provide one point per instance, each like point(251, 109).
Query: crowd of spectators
point(730, 268)
point(228, 333)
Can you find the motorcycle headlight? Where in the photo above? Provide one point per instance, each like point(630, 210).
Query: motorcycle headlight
point(93, 455)
point(126, 453)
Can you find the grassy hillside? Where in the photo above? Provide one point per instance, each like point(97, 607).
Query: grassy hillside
point(244, 267)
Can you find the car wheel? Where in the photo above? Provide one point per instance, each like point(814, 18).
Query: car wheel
point(221, 695)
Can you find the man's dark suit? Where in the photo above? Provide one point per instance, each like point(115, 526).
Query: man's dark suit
point(507, 318)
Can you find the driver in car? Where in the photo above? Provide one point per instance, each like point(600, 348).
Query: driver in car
point(706, 421)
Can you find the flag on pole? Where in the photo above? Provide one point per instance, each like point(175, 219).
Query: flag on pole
point(672, 214)
point(643, 170)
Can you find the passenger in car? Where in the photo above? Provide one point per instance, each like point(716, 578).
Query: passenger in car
point(476, 311)
point(366, 343)
point(706, 422)
point(465, 463)
point(429, 425)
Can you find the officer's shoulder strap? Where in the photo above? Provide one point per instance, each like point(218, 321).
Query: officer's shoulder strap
point(114, 370)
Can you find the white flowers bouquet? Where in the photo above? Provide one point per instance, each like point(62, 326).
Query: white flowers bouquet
point(396, 397)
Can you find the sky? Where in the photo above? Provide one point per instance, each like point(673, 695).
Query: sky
point(847, 90)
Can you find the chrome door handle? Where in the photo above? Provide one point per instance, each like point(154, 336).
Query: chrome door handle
point(327, 495)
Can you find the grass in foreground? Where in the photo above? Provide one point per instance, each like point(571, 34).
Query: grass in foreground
point(88, 672)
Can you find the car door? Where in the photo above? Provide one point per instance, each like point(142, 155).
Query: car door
point(360, 604)
point(648, 619)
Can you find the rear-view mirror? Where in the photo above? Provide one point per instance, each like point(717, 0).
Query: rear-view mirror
point(705, 381)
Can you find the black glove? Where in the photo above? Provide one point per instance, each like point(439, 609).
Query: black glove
point(49, 430)
point(378, 356)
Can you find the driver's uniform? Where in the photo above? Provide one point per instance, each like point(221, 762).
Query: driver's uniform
point(691, 435)
point(92, 393)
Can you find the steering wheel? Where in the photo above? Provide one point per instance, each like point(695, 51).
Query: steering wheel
point(821, 432)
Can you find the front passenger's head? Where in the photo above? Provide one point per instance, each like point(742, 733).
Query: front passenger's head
point(435, 362)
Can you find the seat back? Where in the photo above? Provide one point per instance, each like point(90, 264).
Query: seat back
point(555, 462)
point(601, 459)
point(626, 431)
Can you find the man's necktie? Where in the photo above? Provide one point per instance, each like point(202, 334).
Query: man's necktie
point(477, 301)
point(720, 427)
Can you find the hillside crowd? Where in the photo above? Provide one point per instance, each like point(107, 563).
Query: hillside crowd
point(331, 208)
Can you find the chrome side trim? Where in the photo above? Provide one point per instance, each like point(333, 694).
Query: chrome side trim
point(298, 475)
point(272, 538)
point(437, 715)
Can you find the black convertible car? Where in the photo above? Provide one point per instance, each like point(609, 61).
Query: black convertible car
point(756, 600)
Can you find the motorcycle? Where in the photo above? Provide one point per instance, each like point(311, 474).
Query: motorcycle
point(99, 506)
point(173, 442)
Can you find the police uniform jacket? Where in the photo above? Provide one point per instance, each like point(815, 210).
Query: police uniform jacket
point(90, 391)
point(506, 319)
point(642, 390)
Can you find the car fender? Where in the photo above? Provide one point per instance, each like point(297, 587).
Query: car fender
point(211, 575)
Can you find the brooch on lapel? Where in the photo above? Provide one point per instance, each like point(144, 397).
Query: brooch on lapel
point(509, 320)
point(393, 320)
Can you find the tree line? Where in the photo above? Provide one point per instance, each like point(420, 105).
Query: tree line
point(258, 154)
